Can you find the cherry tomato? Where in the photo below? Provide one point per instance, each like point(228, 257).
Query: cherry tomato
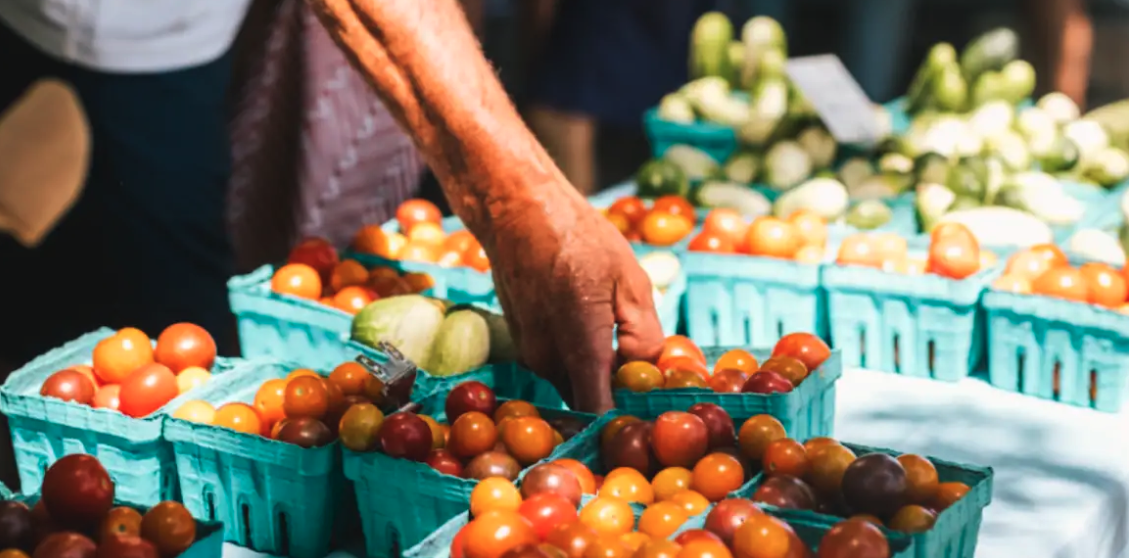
point(608, 516)
point(639, 376)
point(196, 411)
point(191, 378)
point(419, 282)
point(120, 354)
point(185, 345)
point(475, 258)
point(774, 238)
point(1062, 282)
point(547, 510)
point(692, 502)
point(582, 473)
point(809, 349)
point(620, 223)
point(1028, 264)
point(492, 534)
point(631, 209)
point(704, 549)
point(269, 400)
point(573, 538)
point(353, 299)
point(371, 239)
point(664, 229)
point(727, 380)
point(827, 465)
point(427, 233)
point(494, 494)
point(350, 377)
point(472, 434)
point(675, 205)
point(763, 536)
point(716, 475)
point(460, 242)
point(810, 255)
point(786, 457)
point(317, 253)
point(528, 439)
point(678, 346)
point(853, 537)
point(629, 486)
point(954, 257)
point(419, 252)
point(756, 434)
point(300, 372)
point(1051, 253)
point(306, 396)
point(359, 427)
point(661, 520)
point(1012, 283)
point(69, 385)
point(66, 544)
point(77, 491)
point(727, 224)
point(347, 273)
point(948, 493)
point(859, 250)
point(298, 280)
point(125, 546)
point(514, 409)
point(108, 397)
point(677, 378)
point(921, 479)
point(951, 230)
point(1105, 285)
point(811, 227)
point(416, 211)
point(670, 481)
point(122, 520)
point(170, 528)
point(712, 242)
point(147, 389)
point(737, 359)
point(240, 417)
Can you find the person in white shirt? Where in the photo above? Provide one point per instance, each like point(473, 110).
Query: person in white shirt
point(146, 244)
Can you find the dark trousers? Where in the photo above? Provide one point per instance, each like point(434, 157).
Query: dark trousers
point(146, 244)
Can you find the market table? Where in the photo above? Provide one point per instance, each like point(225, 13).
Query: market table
point(1062, 473)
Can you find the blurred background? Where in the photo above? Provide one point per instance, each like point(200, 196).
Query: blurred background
point(882, 42)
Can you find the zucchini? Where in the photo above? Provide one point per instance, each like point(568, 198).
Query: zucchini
point(825, 197)
point(660, 177)
point(931, 168)
point(1059, 107)
point(709, 46)
point(740, 198)
point(1017, 81)
point(1114, 119)
point(743, 167)
point(675, 108)
point(854, 171)
point(786, 165)
point(869, 215)
point(759, 34)
point(989, 52)
point(819, 144)
point(695, 163)
point(941, 55)
point(1108, 167)
point(949, 89)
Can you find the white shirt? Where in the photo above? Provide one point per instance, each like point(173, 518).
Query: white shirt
point(128, 36)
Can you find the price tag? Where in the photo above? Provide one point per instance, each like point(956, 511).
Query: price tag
point(395, 371)
point(837, 97)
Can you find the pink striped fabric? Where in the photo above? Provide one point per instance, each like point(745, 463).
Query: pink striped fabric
point(315, 153)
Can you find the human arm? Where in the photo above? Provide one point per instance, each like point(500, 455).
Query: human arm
point(566, 278)
point(1066, 30)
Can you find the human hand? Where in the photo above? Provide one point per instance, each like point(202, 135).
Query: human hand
point(568, 283)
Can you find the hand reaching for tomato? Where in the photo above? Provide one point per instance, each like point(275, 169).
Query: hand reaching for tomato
point(566, 278)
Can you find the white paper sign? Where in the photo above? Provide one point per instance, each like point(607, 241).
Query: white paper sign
point(837, 97)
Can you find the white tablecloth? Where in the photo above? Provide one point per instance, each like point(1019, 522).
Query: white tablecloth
point(1062, 473)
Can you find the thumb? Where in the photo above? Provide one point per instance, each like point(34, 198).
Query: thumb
point(638, 330)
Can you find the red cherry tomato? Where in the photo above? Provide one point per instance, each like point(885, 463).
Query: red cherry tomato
point(675, 205)
point(804, 347)
point(954, 256)
point(77, 491)
point(631, 209)
point(726, 223)
point(147, 389)
point(712, 242)
point(416, 211)
point(547, 510)
point(317, 253)
point(185, 345)
point(679, 345)
point(108, 397)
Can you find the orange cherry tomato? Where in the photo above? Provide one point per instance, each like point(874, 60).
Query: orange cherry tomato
point(727, 223)
point(890, 246)
point(1106, 286)
point(662, 519)
point(299, 372)
point(419, 252)
point(712, 242)
point(494, 494)
point(948, 230)
point(664, 229)
point(269, 400)
point(620, 223)
point(349, 376)
point(811, 227)
point(737, 359)
point(196, 411)
point(675, 205)
point(240, 417)
point(353, 299)
point(680, 345)
point(416, 211)
point(1062, 282)
point(716, 475)
point(427, 233)
point(631, 208)
point(107, 397)
point(673, 365)
point(810, 255)
point(191, 378)
point(1012, 283)
point(1028, 264)
point(371, 239)
point(669, 482)
point(305, 397)
point(184, 345)
point(639, 376)
point(1051, 253)
point(861, 250)
point(493, 534)
point(459, 241)
point(582, 472)
point(954, 257)
point(608, 516)
point(774, 238)
point(475, 258)
point(628, 487)
point(298, 280)
point(691, 501)
point(346, 274)
point(117, 356)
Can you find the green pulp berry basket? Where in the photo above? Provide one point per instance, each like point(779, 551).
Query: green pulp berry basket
point(720, 142)
point(45, 428)
point(425, 498)
point(916, 325)
point(507, 381)
point(805, 412)
point(1035, 340)
point(209, 534)
point(461, 285)
point(272, 496)
point(289, 328)
point(955, 532)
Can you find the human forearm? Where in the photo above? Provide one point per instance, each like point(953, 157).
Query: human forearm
point(423, 60)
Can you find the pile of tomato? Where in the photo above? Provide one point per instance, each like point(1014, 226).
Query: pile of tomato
point(953, 253)
point(128, 374)
point(75, 517)
point(421, 239)
point(801, 237)
point(304, 408)
point(1044, 270)
point(482, 438)
point(668, 220)
point(683, 365)
point(314, 271)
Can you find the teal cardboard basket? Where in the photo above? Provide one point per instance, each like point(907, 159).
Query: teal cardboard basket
point(461, 285)
point(954, 534)
point(272, 496)
point(720, 142)
point(509, 381)
point(209, 534)
point(425, 498)
point(44, 428)
point(917, 325)
point(1031, 338)
point(289, 328)
point(738, 300)
point(805, 412)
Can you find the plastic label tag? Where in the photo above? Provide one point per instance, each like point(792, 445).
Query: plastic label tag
point(837, 97)
point(396, 370)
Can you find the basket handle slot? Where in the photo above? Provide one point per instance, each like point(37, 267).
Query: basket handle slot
point(862, 346)
point(1020, 374)
point(210, 504)
point(245, 508)
point(897, 354)
point(1093, 387)
point(283, 534)
point(1057, 390)
point(931, 356)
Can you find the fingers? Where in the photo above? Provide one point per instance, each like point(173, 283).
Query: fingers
point(638, 329)
point(589, 367)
